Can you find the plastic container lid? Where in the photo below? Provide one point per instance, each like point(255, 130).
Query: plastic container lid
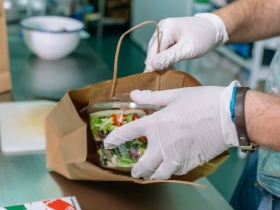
point(117, 106)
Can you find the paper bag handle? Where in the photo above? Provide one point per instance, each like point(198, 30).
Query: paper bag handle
point(118, 51)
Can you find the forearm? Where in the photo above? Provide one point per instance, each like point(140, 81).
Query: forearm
point(250, 20)
point(262, 115)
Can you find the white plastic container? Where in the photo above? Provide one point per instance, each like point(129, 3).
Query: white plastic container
point(104, 118)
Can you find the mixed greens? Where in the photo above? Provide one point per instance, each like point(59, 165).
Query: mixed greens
point(126, 155)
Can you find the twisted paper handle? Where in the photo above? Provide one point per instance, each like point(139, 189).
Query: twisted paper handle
point(118, 51)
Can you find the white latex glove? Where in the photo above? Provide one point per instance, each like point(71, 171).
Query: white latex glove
point(194, 127)
point(185, 38)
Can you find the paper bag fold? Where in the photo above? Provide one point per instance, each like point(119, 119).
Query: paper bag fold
point(5, 79)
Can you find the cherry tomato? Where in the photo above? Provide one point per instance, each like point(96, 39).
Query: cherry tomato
point(118, 119)
point(143, 139)
point(135, 117)
point(115, 119)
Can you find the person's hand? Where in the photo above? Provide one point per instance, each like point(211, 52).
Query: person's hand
point(185, 38)
point(194, 126)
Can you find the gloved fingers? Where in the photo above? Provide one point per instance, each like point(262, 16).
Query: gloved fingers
point(127, 132)
point(190, 163)
point(172, 67)
point(160, 98)
point(164, 171)
point(149, 161)
point(148, 69)
point(166, 40)
point(151, 52)
point(168, 57)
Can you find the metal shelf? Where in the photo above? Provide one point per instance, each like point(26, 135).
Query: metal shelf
point(105, 20)
point(258, 72)
point(234, 57)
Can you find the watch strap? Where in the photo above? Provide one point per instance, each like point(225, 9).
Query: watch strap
point(240, 123)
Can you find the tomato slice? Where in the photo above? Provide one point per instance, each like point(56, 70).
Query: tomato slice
point(118, 119)
point(135, 117)
point(115, 119)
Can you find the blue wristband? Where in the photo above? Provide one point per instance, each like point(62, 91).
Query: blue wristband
point(232, 102)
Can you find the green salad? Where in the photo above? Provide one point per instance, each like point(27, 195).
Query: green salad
point(102, 123)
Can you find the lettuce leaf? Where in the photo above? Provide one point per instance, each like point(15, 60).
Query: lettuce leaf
point(102, 124)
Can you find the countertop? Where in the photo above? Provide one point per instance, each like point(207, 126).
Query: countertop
point(24, 178)
point(33, 77)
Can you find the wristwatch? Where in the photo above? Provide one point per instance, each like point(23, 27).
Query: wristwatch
point(239, 119)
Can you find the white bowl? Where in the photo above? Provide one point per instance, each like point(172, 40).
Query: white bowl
point(51, 37)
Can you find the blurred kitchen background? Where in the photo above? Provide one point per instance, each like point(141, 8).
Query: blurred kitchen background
point(92, 61)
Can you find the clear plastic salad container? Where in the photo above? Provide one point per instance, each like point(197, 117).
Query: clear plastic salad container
point(104, 118)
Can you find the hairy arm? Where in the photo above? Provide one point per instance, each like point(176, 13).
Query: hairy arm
point(251, 20)
point(262, 115)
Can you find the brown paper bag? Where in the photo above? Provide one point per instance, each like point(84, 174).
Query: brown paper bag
point(70, 147)
point(5, 81)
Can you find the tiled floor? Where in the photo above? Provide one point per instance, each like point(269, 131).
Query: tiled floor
point(131, 61)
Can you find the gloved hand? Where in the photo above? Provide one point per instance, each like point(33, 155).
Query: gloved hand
point(185, 38)
point(194, 126)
